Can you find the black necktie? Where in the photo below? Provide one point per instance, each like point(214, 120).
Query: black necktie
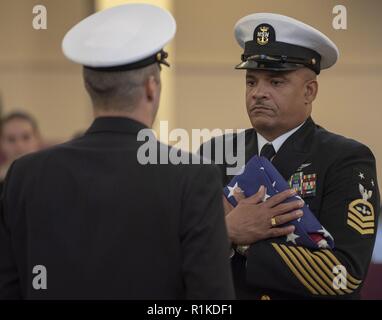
point(268, 151)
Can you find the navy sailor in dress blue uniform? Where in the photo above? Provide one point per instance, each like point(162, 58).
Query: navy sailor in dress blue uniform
point(102, 224)
point(335, 176)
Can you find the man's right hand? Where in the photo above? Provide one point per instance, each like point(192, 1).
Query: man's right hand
point(250, 220)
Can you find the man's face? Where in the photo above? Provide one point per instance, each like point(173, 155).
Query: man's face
point(276, 101)
point(18, 138)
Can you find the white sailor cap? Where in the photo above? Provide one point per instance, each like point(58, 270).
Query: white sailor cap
point(276, 42)
point(124, 37)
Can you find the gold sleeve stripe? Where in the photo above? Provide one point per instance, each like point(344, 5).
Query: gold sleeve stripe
point(328, 278)
point(303, 271)
point(336, 262)
point(318, 260)
point(360, 216)
point(359, 229)
point(317, 274)
point(293, 269)
point(361, 223)
point(314, 270)
point(331, 265)
point(333, 257)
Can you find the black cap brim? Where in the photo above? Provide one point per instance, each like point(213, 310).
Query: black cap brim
point(256, 65)
point(160, 57)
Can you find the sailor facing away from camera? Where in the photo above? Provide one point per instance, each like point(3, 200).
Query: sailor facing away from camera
point(87, 214)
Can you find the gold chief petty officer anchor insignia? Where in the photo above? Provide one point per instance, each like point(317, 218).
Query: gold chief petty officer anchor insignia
point(263, 35)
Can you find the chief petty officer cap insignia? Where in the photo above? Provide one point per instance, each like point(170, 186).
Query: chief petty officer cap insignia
point(125, 37)
point(280, 43)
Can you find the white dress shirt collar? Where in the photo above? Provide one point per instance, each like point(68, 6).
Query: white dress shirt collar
point(278, 142)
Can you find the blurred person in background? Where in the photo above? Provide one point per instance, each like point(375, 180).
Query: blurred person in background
point(19, 135)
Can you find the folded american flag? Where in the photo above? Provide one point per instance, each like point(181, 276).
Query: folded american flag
point(260, 172)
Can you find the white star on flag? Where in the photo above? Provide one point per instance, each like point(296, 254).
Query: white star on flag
point(232, 190)
point(325, 233)
point(292, 237)
point(361, 175)
point(372, 183)
point(266, 197)
point(323, 244)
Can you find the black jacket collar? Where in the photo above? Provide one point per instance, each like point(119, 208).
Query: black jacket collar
point(115, 124)
point(295, 150)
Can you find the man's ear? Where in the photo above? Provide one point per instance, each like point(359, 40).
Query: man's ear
point(151, 88)
point(311, 89)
